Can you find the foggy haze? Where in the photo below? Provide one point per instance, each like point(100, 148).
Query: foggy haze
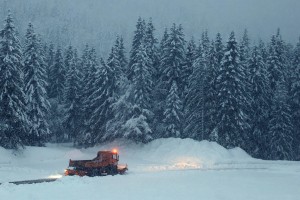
point(99, 21)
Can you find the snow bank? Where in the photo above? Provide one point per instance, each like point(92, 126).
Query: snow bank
point(158, 155)
point(175, 154)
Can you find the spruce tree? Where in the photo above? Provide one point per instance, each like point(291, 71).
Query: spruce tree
point(119, 45)
point(50, 57)
point(152, 50)
point(101, 102)
point(68, 58)
point(138, 127)
point(210, 101)
point(106, 90)
point(276, 61)
point(35, 89)
point(57, 77)
point(245, 48)
point(160, 92)
point(280, 127)
point(189, 62)
point(219, 48)
point(232, 116)
point(295, 96)
point(173, 114)
point(72, 119)
point(138, 39)
point(174, 59)
point(194, 101)
point(90, 64)
point(13, 117)
point(205, 43)
point(260, 104)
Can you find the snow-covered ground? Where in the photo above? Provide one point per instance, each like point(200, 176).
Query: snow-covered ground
point(163, 169)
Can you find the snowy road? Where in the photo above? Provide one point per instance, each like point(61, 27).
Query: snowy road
point(164, 169)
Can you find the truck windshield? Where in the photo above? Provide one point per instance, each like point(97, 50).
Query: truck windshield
point(115, 156)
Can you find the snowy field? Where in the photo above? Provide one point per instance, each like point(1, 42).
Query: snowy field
point(163, 169)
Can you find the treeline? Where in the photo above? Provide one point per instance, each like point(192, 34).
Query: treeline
point(233, 93)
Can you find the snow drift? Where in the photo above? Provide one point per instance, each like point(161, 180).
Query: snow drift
point(158, 155)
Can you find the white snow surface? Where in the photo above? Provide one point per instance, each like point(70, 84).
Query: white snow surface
point(163, 169)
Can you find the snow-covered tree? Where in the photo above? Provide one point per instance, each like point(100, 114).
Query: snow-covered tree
point(49, 59)
point(260, 104)
point(137, 127)
point(72, 119)
point(295, 95)
point(57, 77)
point(280, 127)
point(276, 61)
point(190, 60)
point(219, 48)
point(194, 101)
point(173, 113)
point(119, 45)
point(245, 48)
point(210, 101)
point(232, 117)
point(68, 58)
point(13, 117)
point(205, 43)
point(35, 89)
point(174, 58)
point(138, 39)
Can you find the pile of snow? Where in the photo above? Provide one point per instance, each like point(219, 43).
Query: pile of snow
point(176, 154)
point(158, 155)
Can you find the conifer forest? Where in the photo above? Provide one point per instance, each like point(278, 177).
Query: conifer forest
point(216, 87)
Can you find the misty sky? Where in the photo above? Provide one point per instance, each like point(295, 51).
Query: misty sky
point(80, 21)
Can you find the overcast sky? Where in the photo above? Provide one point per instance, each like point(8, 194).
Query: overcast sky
point(101, 20)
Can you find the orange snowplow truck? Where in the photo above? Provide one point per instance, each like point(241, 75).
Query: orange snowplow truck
point(106, 163)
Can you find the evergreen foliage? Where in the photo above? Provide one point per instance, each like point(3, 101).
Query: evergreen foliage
point(13, 117)
point(35, 89)
point(232, 117)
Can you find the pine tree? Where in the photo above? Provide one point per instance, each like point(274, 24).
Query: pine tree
point(194, 101)
point(138, 127)
point(152, 51)
point(72, 119)
point(295, 96)
point(119, 45)
point(219, 48)
point(276, 61)
point(102, 100)
point(174, 59)
point(57, 77)
point(35, 89)
point(90, 64)
point(173, 113)
point(160, 92)
point(280, 127)
point(232, 118)
point(205, 43)
point(50, 57)
point(260, 93)
point(106, 89)
point(13, 117)
point(210, 101)
point(68, 58)
point(263, 51)
point(138, 39)
point(245, 48)
point(190, 59)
